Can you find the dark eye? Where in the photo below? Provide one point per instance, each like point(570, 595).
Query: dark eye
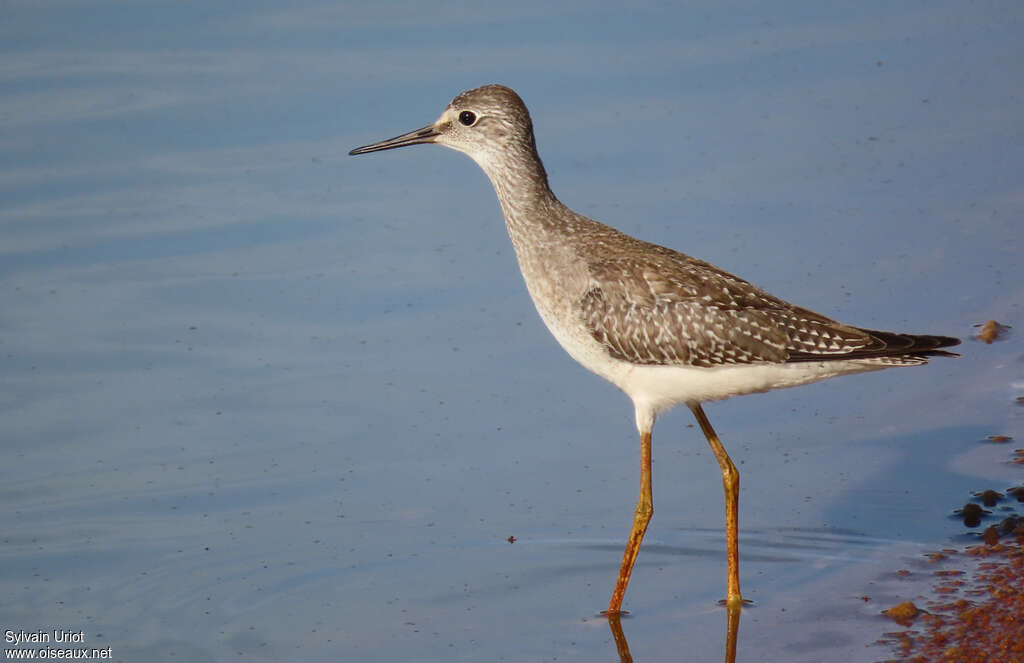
point(467, 118)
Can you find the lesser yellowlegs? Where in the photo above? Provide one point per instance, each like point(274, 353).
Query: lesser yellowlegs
point(665, 328)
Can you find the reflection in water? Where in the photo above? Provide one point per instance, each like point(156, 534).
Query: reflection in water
point(732, 629)
point(621, 646)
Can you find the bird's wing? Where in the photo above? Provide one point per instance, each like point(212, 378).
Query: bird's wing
point(669, 308)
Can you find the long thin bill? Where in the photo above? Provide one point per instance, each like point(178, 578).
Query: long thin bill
point(424, 135)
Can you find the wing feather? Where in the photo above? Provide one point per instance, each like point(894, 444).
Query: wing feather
point(663, 307)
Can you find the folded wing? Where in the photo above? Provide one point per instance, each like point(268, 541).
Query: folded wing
point(668, 308)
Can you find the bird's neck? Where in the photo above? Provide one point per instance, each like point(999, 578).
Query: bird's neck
point(526, 199)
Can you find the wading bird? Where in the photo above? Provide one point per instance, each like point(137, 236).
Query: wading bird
point(665, 328)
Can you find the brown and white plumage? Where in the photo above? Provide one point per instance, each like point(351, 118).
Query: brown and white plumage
point(665, 328)
point(652, 305)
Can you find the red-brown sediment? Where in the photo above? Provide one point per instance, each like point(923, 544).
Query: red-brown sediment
point(984, 623)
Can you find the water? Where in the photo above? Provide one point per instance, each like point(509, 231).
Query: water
point(264, 401)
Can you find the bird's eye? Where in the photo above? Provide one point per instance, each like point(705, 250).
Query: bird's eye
point(467, 118)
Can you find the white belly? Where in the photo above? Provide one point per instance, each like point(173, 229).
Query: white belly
point(656, 388)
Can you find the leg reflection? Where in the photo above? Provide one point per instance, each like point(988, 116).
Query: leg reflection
point(732, 630)
point(621, 646)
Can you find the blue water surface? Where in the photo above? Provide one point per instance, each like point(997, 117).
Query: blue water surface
point(264, 401)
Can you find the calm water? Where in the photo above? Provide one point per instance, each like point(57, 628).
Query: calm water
point(266, 402)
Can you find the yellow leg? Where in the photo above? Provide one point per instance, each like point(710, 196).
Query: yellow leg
point(731, 483)
point(641, 517)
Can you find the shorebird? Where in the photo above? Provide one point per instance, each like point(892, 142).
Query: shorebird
point(665, 328)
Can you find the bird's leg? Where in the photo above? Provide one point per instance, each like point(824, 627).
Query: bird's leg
point(731, 482)
point(641, 517)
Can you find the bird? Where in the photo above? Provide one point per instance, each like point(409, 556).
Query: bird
point(666, 328)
